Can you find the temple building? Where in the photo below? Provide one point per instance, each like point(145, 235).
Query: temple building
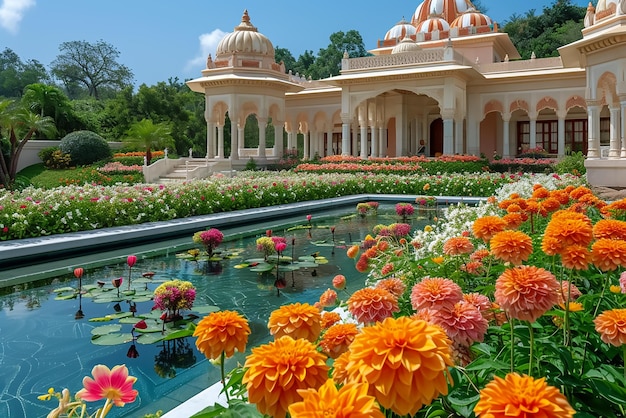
point(446, 82)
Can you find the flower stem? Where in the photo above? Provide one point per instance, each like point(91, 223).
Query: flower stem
point(531, 351)
point(222, 361)
point(511, 325)
point(624, 358)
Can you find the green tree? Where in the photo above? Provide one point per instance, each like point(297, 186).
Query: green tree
point(560, 24)
point(51, 101)
point(18, 124)
point(147, 136)
point(283, 55)
point(328, 61)
point(305, 61)
point(93, 66)
point(16, 74)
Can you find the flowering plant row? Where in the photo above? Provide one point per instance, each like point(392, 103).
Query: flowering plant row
point(37, 212)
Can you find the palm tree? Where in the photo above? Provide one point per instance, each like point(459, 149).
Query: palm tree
point(148, 136)
point(19, 125)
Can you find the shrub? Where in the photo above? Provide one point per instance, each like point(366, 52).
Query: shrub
point(58, 160)
point(573, 163)
point(251, 164)
point(46, 153)
point(85, 147)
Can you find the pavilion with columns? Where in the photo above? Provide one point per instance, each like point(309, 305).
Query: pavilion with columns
point(446, 82)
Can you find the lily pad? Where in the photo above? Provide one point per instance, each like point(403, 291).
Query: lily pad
point(261, 268)
point(112, 339)
point(307, 258)
point(66, 297)
point(108, 298)
point(305, 264)
point(150, 338)
point(205, 309)
point(242, 266)
point(64, 289)
point(106, 329)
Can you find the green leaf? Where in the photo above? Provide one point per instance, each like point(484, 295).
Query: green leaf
point(111, 339)
point(205, 309)
point(66, 297)
point(609, 391)
point(64, 289)
point(106, 329)
point(485, 363)
point(262, 268)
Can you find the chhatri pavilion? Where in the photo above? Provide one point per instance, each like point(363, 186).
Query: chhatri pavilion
point(446, 82)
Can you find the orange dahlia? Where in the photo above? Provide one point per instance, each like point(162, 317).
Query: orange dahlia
point(511, 246)
point(298, 320)
point(551, 245)
point(329, 319)
point(478, 255)
point(328, 298)
point(570, 230)
point(580, 191)
point(369, 305)
point(472, 267)
point(523, 397)
point(568, 291)
point(222, 332)
point(393, 285)
point(608, 254)
point(513, 220)
point(480, 301)
point(405, 362)
point(353, 251)
point(526, 292)
point(610, 228)
point(575, 257)
point(486, 227)
point(337, 339)
point(436, 293)
point(351, 400)
point(464, 323)
point(275, 372)
point(339, 372)
point(615, 209)
point(540, 192)
point(363, 264)
point(458, 246)
point(611, 325)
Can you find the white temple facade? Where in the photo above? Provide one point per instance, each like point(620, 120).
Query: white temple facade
point(447, 82)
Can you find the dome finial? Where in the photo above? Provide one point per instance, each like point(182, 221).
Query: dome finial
point(246, 17)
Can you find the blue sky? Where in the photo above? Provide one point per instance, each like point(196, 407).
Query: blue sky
point(159, 39)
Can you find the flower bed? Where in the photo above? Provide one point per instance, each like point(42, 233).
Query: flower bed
point(36, 212)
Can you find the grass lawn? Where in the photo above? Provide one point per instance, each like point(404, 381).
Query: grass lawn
point(41, 177)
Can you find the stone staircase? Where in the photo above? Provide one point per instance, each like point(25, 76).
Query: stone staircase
point(195, 168)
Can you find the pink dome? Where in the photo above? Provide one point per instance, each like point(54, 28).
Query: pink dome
point(432, 24)
point(470, 19)
point(245, 39)
point(447, 9)
point(400, 30)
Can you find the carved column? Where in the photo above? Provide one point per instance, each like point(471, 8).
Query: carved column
point(448, 132)
point(363, 141)
point(506, 133)
point(261, 150)
point(220, 140)
point(533, 130)
point(278, 138)
point(345, 134)
point(615, 142)
point(593, 129)
point(210, 140)
point(374, 130)
point(561, 133)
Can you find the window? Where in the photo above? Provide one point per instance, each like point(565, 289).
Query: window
point(576, 135)
point(523, 136)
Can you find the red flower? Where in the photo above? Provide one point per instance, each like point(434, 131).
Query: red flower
point(131, 260)
point(78, 272)
point(141, 325)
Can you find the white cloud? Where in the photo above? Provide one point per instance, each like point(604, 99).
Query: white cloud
point(12, 12)
point(208, 45)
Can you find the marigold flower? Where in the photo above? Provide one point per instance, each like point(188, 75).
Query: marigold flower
point(610, 228)
point(222, 332)
point(369, 305)
point(328, 298)
point(614, 209)
point(436, 293)
point(513, 220)
point(464, 323)
point(329, 319)
point(275, 372)
point(523, 397)
point(353, 251)
point(337, 339)
point(393, 285)
point(526, 292)
point(339, 372)
point(575, 257)
point(486, 227)
point(113, 384)
point(297, 320)
point(511, 246)
point(351, 400)
point(608, 254)
point(541, 193)
point(611, 325)
point(574, 230)
point(458, 246)
point(404, 360)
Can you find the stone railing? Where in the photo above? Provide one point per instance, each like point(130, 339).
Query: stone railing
point(522, 65)
point(428, 56)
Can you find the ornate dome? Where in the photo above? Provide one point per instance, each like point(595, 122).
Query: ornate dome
point(432, 24)
point(400, 30)
point(469, 19)
point(606, 5)
point(406, 45)
point(246, 40)
point(447, 9)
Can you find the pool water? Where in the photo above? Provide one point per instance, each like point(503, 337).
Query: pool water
point(43, 343)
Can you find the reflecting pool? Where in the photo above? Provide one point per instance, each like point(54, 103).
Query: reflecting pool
point(46, 342)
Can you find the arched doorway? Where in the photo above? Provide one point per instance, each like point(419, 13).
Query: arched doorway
point(436, 137)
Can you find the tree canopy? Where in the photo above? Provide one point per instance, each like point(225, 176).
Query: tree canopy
point(15, 74)
point(92, 66)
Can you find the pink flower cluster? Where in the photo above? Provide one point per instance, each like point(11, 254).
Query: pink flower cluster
point(211, 238)
point(174, 295)
point(404, 209)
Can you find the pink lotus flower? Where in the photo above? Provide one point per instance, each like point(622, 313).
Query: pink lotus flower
point(114, 385)
point(131, 260)
point(78, 272)
point(280, 246)
point(117, 282)
point(309, 217)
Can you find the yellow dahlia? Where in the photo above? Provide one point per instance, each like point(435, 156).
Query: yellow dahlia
point(275, 372)
point(222, 332)
point(405, 362)
point(297, 320)
point(523, 397)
